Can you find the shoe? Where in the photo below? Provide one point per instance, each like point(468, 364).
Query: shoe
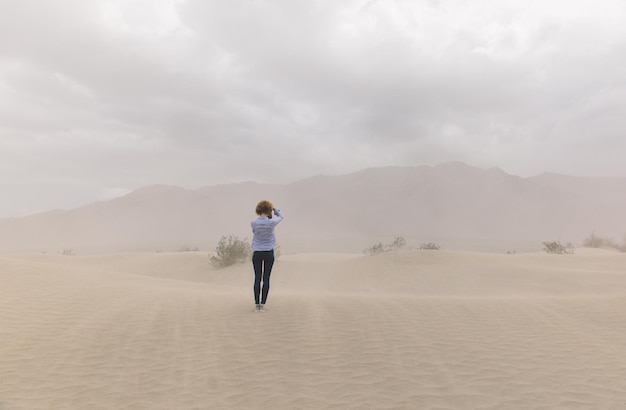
point(257, 308)
point(263, 308)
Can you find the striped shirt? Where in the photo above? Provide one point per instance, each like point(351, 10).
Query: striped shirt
point(263, 238)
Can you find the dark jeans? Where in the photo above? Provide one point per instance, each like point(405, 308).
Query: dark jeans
point(262, 262)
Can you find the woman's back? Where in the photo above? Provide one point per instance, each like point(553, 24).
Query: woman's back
point(263, 230)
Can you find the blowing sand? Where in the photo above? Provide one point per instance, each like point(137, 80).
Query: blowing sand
point(406, 330)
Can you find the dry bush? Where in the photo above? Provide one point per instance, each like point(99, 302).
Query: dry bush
point(594, 241)
point(558, 248)
point(430, 246)
point(398, 243)
point(277, 251)
point(230, 250)
point(189, 249)
point(375, 249)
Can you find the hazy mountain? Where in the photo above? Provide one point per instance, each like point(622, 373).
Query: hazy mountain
point(451, 201)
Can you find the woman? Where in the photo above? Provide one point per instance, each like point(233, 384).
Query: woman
point(263, 242)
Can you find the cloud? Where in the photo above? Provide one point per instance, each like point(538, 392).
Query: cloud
point(126, 93)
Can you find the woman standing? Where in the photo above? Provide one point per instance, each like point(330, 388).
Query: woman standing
point(263, 242)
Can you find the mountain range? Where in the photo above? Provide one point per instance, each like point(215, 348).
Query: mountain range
point(447, 202)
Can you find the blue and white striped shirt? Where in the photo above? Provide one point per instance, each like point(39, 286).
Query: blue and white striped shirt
point(263, 230)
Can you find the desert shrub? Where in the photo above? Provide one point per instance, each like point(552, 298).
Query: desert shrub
point(277, 251)
point(594, 241)
point(67, 252)
point(430, 246)
point(230, 250)
point(189, 249)
point(509, 252)
point(558, 248)
point(375, 249)
point(398, 243)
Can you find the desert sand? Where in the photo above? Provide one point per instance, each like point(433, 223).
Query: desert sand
point(401, 330)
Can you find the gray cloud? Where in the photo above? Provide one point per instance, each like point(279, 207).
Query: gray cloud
point(109, 96)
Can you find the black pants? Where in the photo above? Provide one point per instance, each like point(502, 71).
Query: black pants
point(262, 262)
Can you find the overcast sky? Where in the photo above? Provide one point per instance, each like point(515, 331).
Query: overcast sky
point(101, 97)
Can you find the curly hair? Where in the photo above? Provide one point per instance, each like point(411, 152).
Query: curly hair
point(264, 207)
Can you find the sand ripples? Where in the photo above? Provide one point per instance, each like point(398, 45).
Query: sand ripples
point(76, 340)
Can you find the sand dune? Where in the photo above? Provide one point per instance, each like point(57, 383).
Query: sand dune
point(406, 330)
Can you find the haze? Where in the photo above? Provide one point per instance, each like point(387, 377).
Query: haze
point(100, 98)
point(478, 132)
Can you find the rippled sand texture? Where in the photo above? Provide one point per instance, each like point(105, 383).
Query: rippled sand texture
point(408, 330)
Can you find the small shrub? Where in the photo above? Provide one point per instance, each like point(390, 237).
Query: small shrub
point(511, 252)
point(189, 249)
point(375, 249)
point(67, 252)
point(277, 251)
point(558, 248)
point(398, 243)
point(594, 241)
point(230, 250)
point(430, 246)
